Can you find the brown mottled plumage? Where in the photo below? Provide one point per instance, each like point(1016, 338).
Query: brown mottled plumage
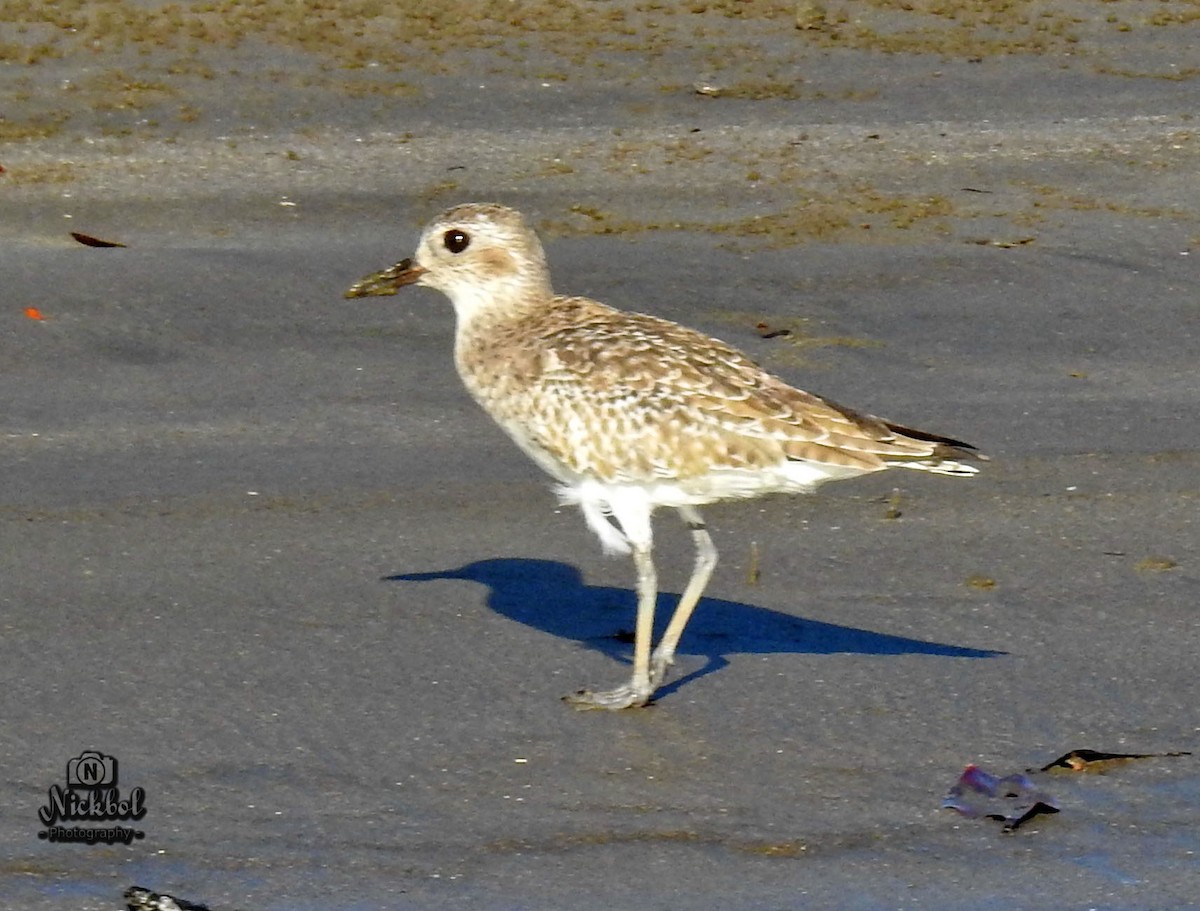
point(630, 412)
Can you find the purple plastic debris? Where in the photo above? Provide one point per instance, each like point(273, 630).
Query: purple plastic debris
point(1012, 800)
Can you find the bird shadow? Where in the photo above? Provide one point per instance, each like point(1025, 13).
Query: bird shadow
point(552, 597)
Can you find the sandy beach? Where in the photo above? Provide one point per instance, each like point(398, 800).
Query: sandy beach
point(260, 550)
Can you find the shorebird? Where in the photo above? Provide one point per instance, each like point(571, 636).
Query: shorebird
point(629, 412)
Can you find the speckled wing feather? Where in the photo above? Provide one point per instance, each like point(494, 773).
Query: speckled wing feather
point(628, 397)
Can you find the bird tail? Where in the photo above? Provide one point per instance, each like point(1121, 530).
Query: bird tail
point(937, 466)
point(942, 460)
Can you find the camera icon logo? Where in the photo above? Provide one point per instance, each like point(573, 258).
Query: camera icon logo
point(92, 769)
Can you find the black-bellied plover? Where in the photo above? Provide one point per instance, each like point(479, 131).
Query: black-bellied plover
point(630, 412)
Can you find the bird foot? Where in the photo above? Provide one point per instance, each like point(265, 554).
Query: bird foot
point(660, 665)
point(623, 697)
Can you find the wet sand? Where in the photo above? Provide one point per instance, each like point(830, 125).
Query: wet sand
point(260, 547)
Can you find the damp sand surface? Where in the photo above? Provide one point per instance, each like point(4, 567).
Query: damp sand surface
point(975, 218)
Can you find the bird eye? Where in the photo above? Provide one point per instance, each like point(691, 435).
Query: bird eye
point(456, 241)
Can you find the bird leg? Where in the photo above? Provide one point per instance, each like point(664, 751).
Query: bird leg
point(706, 562)
point(639, 689)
